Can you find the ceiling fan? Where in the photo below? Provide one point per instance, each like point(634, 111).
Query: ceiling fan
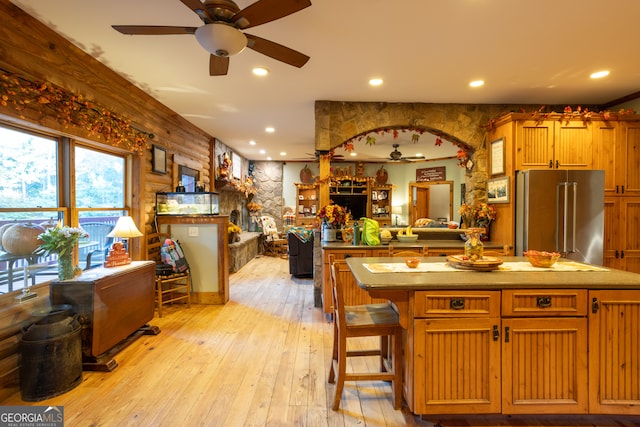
point(316, 155)
point(396, 155)
point(222, 35)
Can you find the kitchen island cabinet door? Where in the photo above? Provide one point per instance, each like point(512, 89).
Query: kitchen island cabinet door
point(457, 366)
point(614, 352)
point(544, 365)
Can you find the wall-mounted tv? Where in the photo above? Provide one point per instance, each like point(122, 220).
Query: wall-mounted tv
point(356, 204)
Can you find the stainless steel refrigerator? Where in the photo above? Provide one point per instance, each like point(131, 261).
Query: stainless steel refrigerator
point(561, 211)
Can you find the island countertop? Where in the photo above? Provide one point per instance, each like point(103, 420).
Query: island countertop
point(451, 279)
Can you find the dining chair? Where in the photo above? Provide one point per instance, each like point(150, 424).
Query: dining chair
point(497, 252)
point(366, 320)
point(419, 252)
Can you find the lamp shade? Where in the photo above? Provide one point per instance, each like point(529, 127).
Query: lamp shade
point(221, 39)
point(125, 228)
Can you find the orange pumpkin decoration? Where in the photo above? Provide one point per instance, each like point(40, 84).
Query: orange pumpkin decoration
point(22, 238)
point(306, 176)
point(382, 176)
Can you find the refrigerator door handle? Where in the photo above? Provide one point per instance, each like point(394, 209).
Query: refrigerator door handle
point(562, 196)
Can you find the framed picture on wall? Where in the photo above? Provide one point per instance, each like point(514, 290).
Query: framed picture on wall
point(497, 157)
point(236, 164)
point(158, 159)
point(498, 190)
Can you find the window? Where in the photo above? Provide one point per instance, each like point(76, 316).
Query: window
point(35, 182)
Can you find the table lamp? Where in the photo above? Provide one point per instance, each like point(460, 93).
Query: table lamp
point(124, 230)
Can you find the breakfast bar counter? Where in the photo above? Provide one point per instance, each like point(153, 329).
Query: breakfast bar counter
point(517, 340)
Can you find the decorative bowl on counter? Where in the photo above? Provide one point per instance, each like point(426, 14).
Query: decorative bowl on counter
point(407, 239)
point(412, 262)
point(541, 258)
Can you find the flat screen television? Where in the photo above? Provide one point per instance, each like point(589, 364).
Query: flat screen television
point(356, 204)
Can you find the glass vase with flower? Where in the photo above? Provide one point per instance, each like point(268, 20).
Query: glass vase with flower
point(61, 240)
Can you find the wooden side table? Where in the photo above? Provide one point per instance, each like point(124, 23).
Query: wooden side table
point(113, 307)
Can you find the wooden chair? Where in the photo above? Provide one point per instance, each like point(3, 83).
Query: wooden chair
point(419, 252)
point(493, 252)
point(274, 243)
point(98, 250)
point(367, 320)
point(169, 288)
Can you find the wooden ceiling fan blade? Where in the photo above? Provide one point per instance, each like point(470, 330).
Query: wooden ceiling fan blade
point(200, 10)
point(276, 51)
point(264, 11)
point(152, 30)
point(218, 65)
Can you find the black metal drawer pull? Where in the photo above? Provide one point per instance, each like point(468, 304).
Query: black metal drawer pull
point(543, 302)
point(456, 304)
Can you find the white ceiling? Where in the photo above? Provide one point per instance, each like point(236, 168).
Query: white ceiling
point(534, 52)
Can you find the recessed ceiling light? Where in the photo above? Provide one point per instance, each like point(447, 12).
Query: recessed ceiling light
point(269, 158)
point(353, 154)
point(477, 83)
point(252, 142)
point(269, 129)
point(600, 74)
point(375, 82)
point(283, 153)
point(260, 71)
point(419, 155)
point(263, 152)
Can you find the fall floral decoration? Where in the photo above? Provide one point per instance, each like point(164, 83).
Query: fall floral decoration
point(70, 110)
point(253, 207)
point(333, 215)
point(478, 215)
point(567, 113)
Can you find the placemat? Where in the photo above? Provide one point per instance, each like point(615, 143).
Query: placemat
point(428, 267)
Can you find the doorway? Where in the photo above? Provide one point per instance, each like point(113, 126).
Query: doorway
point(432, 200)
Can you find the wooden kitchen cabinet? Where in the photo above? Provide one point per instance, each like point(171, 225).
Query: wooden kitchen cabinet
point(617, 152)
point(614, 352)
point(553, 144)
point(381, 204)
point(621, 233)
point(544, 348)
point(307, 204)
point(455, 367)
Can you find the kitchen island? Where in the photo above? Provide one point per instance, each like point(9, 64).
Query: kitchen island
point(518, 340)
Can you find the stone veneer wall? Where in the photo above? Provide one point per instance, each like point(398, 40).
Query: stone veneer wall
point(269, 180)
point(339, 121)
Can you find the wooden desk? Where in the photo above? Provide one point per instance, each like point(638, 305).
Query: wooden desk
point(114, 306)
point(513, 342)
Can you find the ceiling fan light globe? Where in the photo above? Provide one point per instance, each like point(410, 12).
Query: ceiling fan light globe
point(221, 39)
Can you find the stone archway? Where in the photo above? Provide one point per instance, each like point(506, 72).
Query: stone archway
point(339, 121)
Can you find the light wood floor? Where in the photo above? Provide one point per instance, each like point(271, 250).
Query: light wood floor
point(260, 360)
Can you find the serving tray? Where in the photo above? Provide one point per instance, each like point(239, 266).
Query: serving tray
point(487, 263)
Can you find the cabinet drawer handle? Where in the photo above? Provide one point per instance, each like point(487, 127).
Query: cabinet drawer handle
point(506, 334)
point(543, 302)
point(496, 333)
point(557, 164)
point(622, 186)
point(550, 164)
point(456, 304)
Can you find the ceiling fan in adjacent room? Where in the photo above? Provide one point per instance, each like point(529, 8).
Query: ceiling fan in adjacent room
point(222, 35)
point(396, 156)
